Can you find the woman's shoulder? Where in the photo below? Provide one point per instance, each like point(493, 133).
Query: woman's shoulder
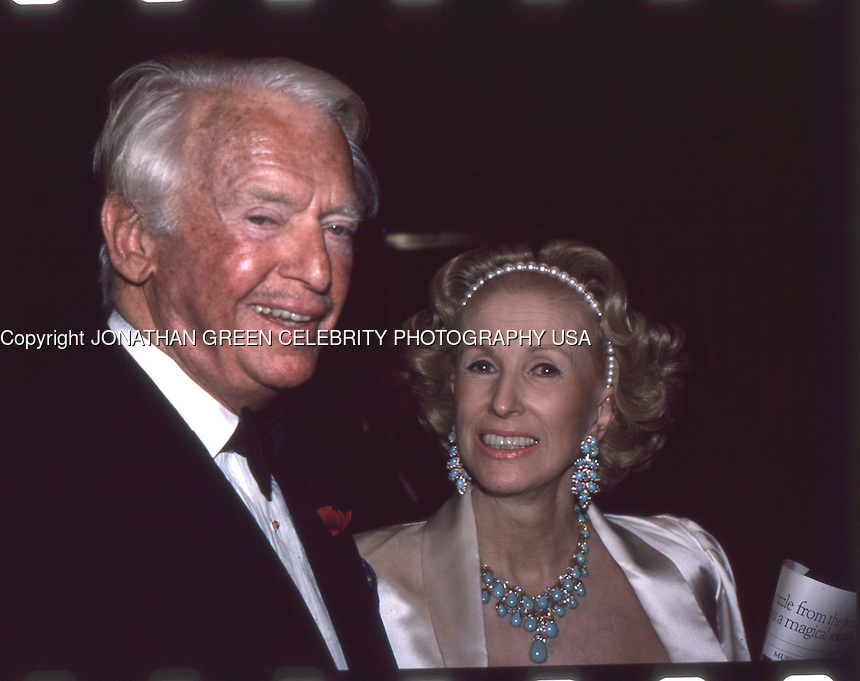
point(394, 555)
point(391, 539)
point(690, 571)
point(448, 524)
point(673, 536)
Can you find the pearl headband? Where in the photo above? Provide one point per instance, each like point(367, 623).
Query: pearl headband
point(565, 278)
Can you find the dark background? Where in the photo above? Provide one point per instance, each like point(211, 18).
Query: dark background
point(705, 146)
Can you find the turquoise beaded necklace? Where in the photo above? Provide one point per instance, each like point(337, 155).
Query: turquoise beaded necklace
point(538, 614)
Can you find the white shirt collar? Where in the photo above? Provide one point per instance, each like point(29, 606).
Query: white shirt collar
point(211, 421)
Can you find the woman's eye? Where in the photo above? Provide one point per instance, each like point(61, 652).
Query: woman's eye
point(545, 370)
point(481, 366)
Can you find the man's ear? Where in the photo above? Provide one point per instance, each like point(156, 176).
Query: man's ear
point(131, 249)
point(605, 412)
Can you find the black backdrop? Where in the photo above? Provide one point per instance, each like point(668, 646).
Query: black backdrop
point(704, 145)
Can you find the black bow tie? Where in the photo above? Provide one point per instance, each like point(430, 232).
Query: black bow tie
point(259, 437)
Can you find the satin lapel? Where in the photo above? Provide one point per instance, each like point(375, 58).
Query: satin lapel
point(451, 571)
point(665, 596)
point(351, 602)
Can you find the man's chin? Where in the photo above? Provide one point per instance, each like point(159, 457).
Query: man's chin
point(283, 375)
point(258, 378)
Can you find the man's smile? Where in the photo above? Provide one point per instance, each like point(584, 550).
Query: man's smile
point(281, 316)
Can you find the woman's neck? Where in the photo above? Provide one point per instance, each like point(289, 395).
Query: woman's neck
point(528, 541)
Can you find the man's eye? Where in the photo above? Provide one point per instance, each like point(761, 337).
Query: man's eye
point(545, 370)
point(339, 229)
point(259, 220)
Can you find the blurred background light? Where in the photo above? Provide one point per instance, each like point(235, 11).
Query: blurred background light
point(166, 6)
point(288, 4)
point(416, 3)
point(402, 241)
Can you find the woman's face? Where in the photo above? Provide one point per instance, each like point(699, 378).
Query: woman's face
point(522, 409)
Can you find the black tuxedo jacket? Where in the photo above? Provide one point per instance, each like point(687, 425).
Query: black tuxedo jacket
point(124, 550)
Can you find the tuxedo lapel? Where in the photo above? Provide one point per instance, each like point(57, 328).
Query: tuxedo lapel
point(351, 601)
point(261, 604)
point(334, 560)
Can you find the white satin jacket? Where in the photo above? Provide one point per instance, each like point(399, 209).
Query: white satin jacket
point(430, 597)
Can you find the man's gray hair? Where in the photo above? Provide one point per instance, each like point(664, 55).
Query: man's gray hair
point(138, 154)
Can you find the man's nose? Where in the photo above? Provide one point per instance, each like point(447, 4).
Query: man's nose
point(306, 255)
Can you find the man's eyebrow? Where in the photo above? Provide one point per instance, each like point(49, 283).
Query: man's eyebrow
point(353, 209)
point(350, 210)
point(269, 196)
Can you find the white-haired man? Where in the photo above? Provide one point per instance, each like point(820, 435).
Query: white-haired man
point(158, 529)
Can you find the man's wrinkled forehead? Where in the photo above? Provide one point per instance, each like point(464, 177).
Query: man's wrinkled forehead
point(250, 140)
point(236, 119)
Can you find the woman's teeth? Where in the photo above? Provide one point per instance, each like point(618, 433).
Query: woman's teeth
point(507, 441)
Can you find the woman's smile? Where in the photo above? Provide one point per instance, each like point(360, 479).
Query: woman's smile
point(506, 445)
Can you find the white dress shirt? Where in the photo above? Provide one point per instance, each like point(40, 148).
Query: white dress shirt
point(214, 424)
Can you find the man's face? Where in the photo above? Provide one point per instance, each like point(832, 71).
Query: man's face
point(266, 216)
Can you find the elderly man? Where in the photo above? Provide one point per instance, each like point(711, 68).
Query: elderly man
point(154, 528)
